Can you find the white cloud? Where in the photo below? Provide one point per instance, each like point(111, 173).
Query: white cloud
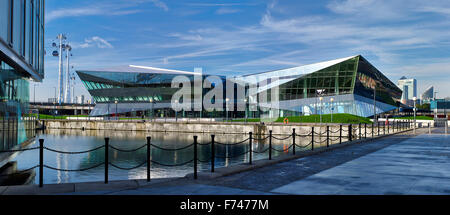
point(160, 4)
point(109, 8)
point(94, 41)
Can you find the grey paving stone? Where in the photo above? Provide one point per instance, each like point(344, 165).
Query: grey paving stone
point(414, 166)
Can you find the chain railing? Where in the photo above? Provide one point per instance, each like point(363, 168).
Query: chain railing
point(329, 136)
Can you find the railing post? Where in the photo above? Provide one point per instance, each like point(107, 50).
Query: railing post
point(106, 158)
point(360, 137)
point(149, 160)
point(340, 134)
point(312, 138)
point(365, 130)
point(328, 136)
point(350, 133)
point(250, 142)
point(388, 123)
point(270, 145)
point(378, 128)
point(373, 124)
point(41, 162)
point(195, 157)
point(429, 128)
point(293, 141)
point(213, 152)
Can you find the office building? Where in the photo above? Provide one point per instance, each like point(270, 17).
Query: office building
point(409, 88)
point(21, 61)
point(347, 85)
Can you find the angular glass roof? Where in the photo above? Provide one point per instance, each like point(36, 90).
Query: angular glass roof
point(142, 69)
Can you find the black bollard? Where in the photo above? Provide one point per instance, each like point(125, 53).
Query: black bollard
point(149, 160)
point(250, 151)
point(328, 136)
point(195, 157)
point(293, 141)
point(106, 158)
point(270, 145)
point(41, 162)
point(213, 152)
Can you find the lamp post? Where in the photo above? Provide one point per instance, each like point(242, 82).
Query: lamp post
point(34, 93)
point(108, 112)
point(176, 112)
point(226, 107)
point(375, 104)
point(246, 114)
point(117, 116)
point(54, 109)
point(414, 99)
point(332, 99)
point(321, 98)
point(151, 102)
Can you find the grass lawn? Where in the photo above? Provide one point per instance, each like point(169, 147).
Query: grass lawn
point(326, 118)
point(45, 116)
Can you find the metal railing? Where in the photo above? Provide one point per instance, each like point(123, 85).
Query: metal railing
point(328, 136)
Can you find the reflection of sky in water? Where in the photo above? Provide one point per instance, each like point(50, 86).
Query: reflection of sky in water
point(77, 140)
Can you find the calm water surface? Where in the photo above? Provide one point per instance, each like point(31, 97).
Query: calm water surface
point(77, 140)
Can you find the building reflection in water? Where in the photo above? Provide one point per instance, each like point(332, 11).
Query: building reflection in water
point(77, 140)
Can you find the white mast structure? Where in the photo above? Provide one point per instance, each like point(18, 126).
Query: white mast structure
point(61, 37)
point(67, 94)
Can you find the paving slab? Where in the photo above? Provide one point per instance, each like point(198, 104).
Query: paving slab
point(36, 190)
point(419, 165)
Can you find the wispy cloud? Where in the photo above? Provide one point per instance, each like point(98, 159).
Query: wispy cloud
point(110, 8)
point(94, 41)
point(160, 4)
point(225, 10)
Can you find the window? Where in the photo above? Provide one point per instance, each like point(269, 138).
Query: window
point(17, 40)
point(4, 19)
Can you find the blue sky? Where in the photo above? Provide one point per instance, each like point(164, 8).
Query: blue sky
point(401, 38)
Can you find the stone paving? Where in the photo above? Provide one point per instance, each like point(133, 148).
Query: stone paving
point(399, 164)
point(419, 165)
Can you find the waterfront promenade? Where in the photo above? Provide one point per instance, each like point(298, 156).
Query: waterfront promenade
point(398, 164)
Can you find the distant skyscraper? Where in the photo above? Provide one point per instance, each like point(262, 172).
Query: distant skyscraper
point(427, 95)
point(409, 87)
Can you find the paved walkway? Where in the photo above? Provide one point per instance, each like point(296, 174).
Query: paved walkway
point(400, 164)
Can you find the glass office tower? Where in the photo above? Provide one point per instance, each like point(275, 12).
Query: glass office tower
point(21, 61)
point(348, 85)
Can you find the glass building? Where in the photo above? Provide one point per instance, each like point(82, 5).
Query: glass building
point(21, 61)
point(348, 85)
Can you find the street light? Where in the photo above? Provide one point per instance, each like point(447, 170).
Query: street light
point(246, 115)
point(414, 99)
point(176, 112)
point(321, 98)
point(151, 111)
point(117, 117)
point(332, 99)
point(226, 108)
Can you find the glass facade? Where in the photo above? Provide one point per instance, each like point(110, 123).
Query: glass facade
point(135, 93)
point(347, 85)
point(21, 60)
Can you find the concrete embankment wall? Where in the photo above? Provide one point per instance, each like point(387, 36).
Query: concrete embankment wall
point(191, 127)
